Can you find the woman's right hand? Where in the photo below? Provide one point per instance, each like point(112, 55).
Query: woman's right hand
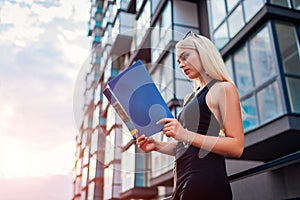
point(147, 144)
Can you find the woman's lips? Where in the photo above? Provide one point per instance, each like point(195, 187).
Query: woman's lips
point(186, 71)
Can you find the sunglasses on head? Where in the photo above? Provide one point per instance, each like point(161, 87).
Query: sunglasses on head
point(190, 34)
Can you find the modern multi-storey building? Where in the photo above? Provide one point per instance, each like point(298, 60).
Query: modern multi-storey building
point(260, 43)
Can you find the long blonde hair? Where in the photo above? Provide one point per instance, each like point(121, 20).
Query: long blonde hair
point(210, 57)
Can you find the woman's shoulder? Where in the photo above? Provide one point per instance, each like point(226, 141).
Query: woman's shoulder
point(224, 85)
point(221, 88)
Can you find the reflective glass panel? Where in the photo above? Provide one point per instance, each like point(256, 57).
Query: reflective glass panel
point(294, 95)
point(262, 57)
point(296, 4)
point(92, 168)
point(91, 191)
point(108, 176)
point(143, 23)
point(140, 168)
point(154, 4)
point(228, 65)
point(251, 7)
point(250, 118)
point(242, 69)
point(128, 168)
point(94, 141)
point(183, 87)
point(218, 11)
point(284, 3)
point(231, 4)
point(269, 102)
point(167, 15)
point(221, 36)
point(235, 21)
point(289, 47)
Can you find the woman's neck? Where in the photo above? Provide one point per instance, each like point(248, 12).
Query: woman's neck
point(204, 80)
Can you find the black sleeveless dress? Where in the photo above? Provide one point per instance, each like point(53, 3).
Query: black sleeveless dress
point(200, 174)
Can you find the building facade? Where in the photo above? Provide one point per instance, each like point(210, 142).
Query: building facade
point(260, 43)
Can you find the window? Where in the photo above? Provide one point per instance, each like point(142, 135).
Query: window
point(94, 141)
point(231, 4)
point(296, 4)
point(92, 168)
point(284, 3)
point(140, 169)
point(293, 92)
point(289, 47)
point(254, 67)
point(154, 5)
point(218, 12)
point(221, 36)
point(160, 35)
point(262, 57)
point(227, 20)
point(270, 105)
point(128, 168)
point(143, 23)
point(108, 189)
point(253, 7)
point(228, 65)
point(242, 69)
point(250, 118)
point(163, 78)
point(289, 51)
point(91, 191)
point(287, 3)
point(236, 21)
point(161, 163)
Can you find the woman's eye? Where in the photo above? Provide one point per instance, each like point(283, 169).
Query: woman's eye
point(184, 57)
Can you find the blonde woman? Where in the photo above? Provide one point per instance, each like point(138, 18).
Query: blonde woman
point(208, 128)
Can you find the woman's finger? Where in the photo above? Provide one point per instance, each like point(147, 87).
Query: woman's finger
point(144, 142)
point(137, 133)
point(164, 120)
point(140, 138)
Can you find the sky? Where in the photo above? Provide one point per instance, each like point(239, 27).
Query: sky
point(43, 45)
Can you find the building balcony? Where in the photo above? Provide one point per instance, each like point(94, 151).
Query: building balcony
point(277, 138)
point(97, 38)
point(143, 51)
point(98, 24)
point(122, 4)
point(131, 7)
point(165, 179)
point(107, 39)
point(109, 13)
point(122, 33)
point(140, 193)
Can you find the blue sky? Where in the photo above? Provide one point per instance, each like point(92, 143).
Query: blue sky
point(43, 46)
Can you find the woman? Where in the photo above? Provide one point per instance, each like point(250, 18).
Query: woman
point(208, 128)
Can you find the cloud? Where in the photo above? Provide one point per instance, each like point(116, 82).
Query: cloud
point(23, 162)
point(42, 49)
point(33, 17)
point(58, 187)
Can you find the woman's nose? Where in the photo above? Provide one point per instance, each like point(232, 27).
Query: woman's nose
point(182, 64)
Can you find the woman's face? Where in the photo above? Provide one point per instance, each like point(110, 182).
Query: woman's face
point(189, 61)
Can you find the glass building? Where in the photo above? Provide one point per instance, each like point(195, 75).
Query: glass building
point(260, 43)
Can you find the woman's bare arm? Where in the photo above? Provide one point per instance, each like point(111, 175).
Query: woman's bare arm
point(148, 144)
point(230, 111)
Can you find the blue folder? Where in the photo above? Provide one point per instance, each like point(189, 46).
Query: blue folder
point(137, 100)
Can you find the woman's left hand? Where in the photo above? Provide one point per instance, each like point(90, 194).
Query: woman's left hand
point(173, 128)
